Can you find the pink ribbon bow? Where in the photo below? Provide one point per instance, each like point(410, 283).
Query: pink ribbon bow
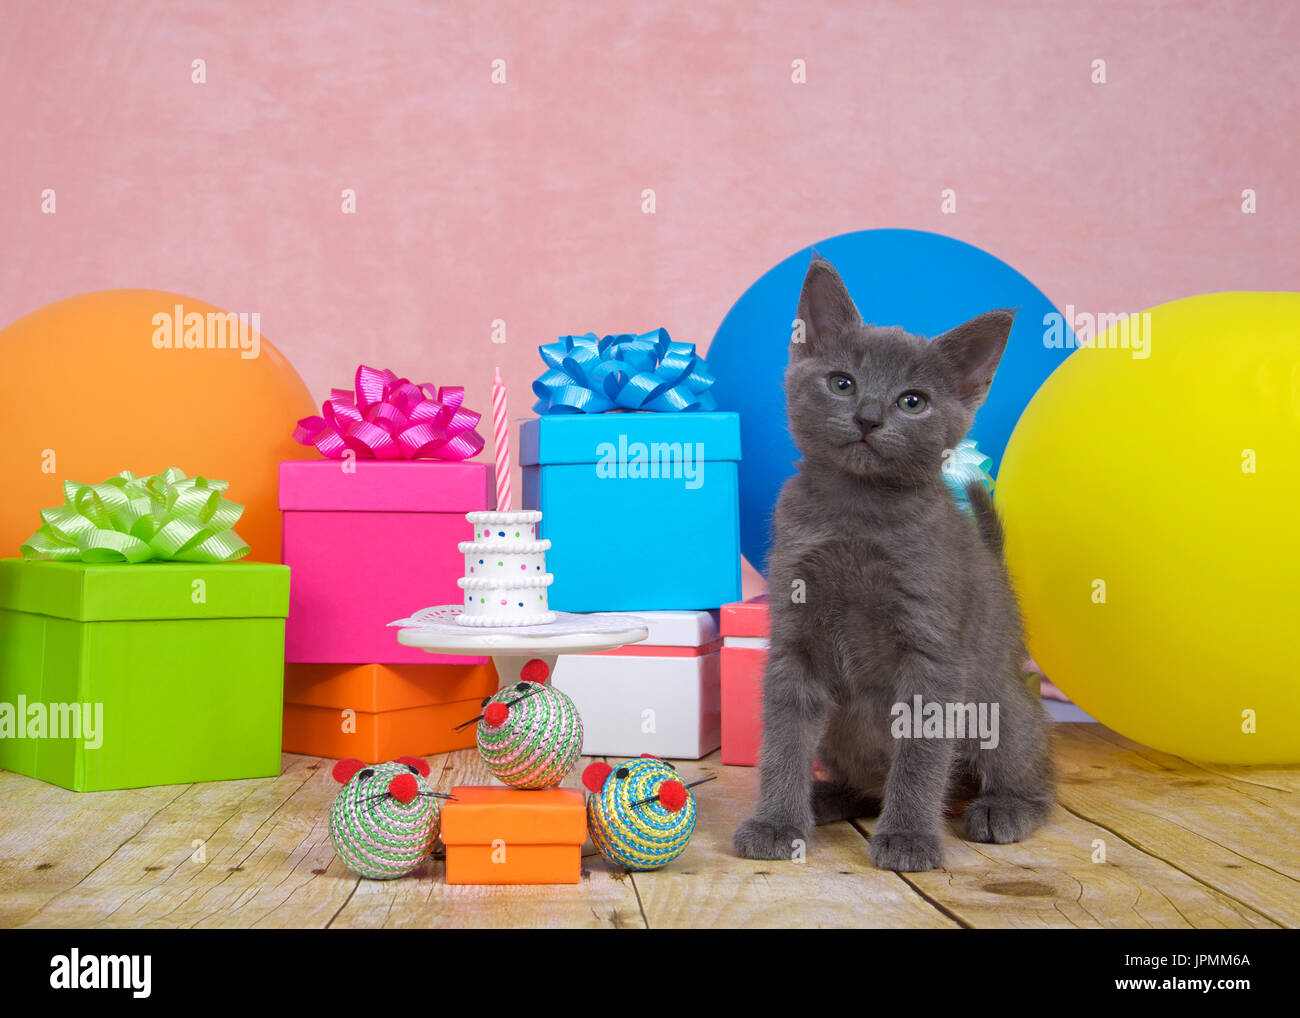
point(391, 418)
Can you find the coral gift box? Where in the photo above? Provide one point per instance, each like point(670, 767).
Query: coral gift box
point(380, 712)
point(367, 540)
point(642, 509)
point(158, 673)
point(660, 696)
point(744, 658)
point(509, 836)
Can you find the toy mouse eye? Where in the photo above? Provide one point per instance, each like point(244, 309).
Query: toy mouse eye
point(368, 772)
point(522, 687)
point(486, 701)
point(413, 769)
point(622, 772)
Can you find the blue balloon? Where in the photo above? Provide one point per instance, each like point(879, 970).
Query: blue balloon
point(925, 282)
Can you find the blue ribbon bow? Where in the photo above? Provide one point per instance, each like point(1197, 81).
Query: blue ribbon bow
point(966, 464)
point(648, 372)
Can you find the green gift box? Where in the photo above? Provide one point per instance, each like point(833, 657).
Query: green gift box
point(155, 673)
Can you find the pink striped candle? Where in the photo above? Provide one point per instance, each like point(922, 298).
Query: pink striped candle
point(501, 432)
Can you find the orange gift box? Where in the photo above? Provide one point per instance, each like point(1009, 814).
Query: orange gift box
point(375, 688)
point(379, 712)
point(513, 836)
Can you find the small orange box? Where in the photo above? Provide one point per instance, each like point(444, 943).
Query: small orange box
point(374, 688)
point(512, 836)
point(379, 737)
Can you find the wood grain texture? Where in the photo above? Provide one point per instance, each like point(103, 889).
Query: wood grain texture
point(1051, 881)
point(1186, 845)
point(834, 886)
point(1232, 829)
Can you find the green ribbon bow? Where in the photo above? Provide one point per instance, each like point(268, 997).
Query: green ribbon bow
point(137, 519)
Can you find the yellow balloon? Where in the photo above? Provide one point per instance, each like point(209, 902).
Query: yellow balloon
point(1151, 497)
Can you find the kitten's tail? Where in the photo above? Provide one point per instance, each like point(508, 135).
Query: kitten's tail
point(986, 517)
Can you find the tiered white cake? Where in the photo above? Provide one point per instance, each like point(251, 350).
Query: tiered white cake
point(505, 577)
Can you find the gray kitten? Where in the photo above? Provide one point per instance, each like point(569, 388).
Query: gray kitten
point(882, 591)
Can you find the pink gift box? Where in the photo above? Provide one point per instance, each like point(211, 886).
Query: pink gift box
point(744, 628)
point(370, 541)
point(745, 618)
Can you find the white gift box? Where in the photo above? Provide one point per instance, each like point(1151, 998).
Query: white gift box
point(661, 696)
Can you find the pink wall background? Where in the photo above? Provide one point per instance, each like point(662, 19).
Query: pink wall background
point(522, 202)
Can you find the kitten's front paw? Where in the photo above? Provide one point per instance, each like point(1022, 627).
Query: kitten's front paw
point(1003, 818)
point(759, 839)
point(906, 851)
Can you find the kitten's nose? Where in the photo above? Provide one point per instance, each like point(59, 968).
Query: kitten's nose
point(870, 415)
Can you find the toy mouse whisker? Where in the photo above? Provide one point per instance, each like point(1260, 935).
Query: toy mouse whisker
point(518, 699)
point(466, 724)
point(655, 797)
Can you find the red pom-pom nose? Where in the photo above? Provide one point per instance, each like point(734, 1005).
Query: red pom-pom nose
point(496, 714)
point(403, 787)
point(534, 670)
point(672, 794)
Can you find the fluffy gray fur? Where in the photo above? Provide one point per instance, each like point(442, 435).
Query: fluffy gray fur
point(902, 595)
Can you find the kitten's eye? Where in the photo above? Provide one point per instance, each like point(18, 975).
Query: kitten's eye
point(841, 384)
point(912, 402)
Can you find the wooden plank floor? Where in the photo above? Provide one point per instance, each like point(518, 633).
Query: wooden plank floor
point(1185, 845)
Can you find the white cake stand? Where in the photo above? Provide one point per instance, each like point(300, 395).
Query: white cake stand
point(436, 630)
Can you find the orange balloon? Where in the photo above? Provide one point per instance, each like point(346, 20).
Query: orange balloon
point(143, 380)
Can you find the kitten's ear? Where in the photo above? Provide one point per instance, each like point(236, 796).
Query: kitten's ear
point(825, 307)
point(972, 352)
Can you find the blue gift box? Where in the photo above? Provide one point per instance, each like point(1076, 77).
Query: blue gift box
point(642, 509)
